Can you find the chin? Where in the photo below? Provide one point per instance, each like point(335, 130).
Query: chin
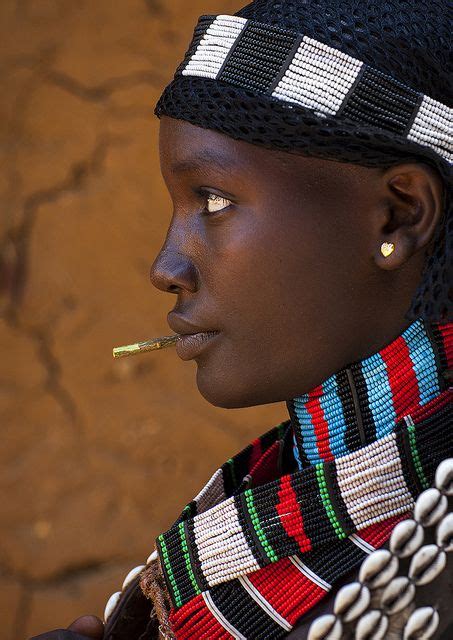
point(224, 392)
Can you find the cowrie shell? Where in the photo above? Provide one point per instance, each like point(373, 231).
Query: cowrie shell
point(422, 623)
point(444, 533)
point(111, 604)
point(351, 601)
point(372, 625)
point(326, 627)
point(153, 556)
point(431, 505)
point(397, 595)
point(444, 477)
point(133, 573)
point(426, 564)
point(406, 538)
point(378, 569)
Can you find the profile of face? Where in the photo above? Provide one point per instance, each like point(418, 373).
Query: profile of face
point(279, 255)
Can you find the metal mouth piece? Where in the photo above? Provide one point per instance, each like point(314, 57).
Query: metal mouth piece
point(149, 345)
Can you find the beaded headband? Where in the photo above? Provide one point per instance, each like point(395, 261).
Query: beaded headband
point(299, 70)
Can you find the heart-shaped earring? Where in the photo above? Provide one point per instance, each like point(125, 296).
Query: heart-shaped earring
point(387, 248)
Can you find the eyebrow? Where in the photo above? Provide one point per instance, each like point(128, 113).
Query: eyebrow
point(201, 161)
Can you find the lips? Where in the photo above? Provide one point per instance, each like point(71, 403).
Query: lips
point(193, 339)
point(192, 344)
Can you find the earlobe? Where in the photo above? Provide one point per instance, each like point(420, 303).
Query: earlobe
point(414, 203)
point(393, 255)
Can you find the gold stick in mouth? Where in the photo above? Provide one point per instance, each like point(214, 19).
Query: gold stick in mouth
point(148, 345)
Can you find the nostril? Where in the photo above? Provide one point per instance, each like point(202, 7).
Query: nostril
point(173, 272)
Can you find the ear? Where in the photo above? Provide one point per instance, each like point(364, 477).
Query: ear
point(413, 208)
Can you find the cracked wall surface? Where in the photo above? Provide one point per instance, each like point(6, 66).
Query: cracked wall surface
point(89, 445)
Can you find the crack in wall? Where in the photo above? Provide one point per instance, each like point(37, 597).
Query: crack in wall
point(102, 91)
point(20, 238)
point(49, 361)
point(92, 93)
point(16, 133)
point(53, 369)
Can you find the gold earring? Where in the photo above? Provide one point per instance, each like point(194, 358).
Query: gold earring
point(387, 248)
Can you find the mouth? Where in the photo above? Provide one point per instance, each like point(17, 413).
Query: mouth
point(190, 345)
point(193, 339)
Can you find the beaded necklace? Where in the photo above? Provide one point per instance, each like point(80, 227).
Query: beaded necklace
point(305, 503)
point(365, 401)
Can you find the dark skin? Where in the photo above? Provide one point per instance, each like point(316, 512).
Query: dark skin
point(290, 272)
point(289, 268)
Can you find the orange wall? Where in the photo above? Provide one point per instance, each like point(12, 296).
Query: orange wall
point(97, 456)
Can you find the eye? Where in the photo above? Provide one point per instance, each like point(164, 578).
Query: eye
point(216, 203)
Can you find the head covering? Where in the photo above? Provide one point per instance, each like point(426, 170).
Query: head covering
point(361, 82)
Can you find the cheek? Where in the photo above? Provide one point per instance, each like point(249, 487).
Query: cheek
point(270, 262)
point(279, 292)
point(278, 285)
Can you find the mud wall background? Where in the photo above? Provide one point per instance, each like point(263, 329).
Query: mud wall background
point(97, 457)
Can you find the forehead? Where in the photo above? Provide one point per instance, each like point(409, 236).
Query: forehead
point(186, 149)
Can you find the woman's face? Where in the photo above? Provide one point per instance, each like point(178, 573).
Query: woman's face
point(275, 253)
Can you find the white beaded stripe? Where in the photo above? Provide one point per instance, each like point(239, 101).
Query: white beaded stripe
point(308, 573)
point(212, 493)
point(361, 543)
point(214, 47)
point(223, 550)
point(264, 604)
point(367, 496)
point(319, 77)
point(220, 617)
point(433, 127)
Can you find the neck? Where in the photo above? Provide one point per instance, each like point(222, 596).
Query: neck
point(365, 401)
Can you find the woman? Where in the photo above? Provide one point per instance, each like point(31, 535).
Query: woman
point(307, 148)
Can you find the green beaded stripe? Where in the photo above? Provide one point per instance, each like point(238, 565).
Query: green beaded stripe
point(324, 493)
point(233, 471)
point(169, 572)
point(257, 526)
point(185, 551)
point(416, 456)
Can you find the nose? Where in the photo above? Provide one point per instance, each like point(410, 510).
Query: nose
point(173, 271)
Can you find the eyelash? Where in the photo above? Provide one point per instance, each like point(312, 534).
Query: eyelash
point(210, 196)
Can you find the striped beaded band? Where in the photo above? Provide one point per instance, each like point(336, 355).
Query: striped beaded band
point(307, 510)
point(256, 606)
point(364, 402)
point(299, 70)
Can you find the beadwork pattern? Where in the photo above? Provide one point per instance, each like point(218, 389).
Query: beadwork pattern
point(379, 570)
point(303, 71)
point(303, 511)
point(364, 402)
point(255, 526)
